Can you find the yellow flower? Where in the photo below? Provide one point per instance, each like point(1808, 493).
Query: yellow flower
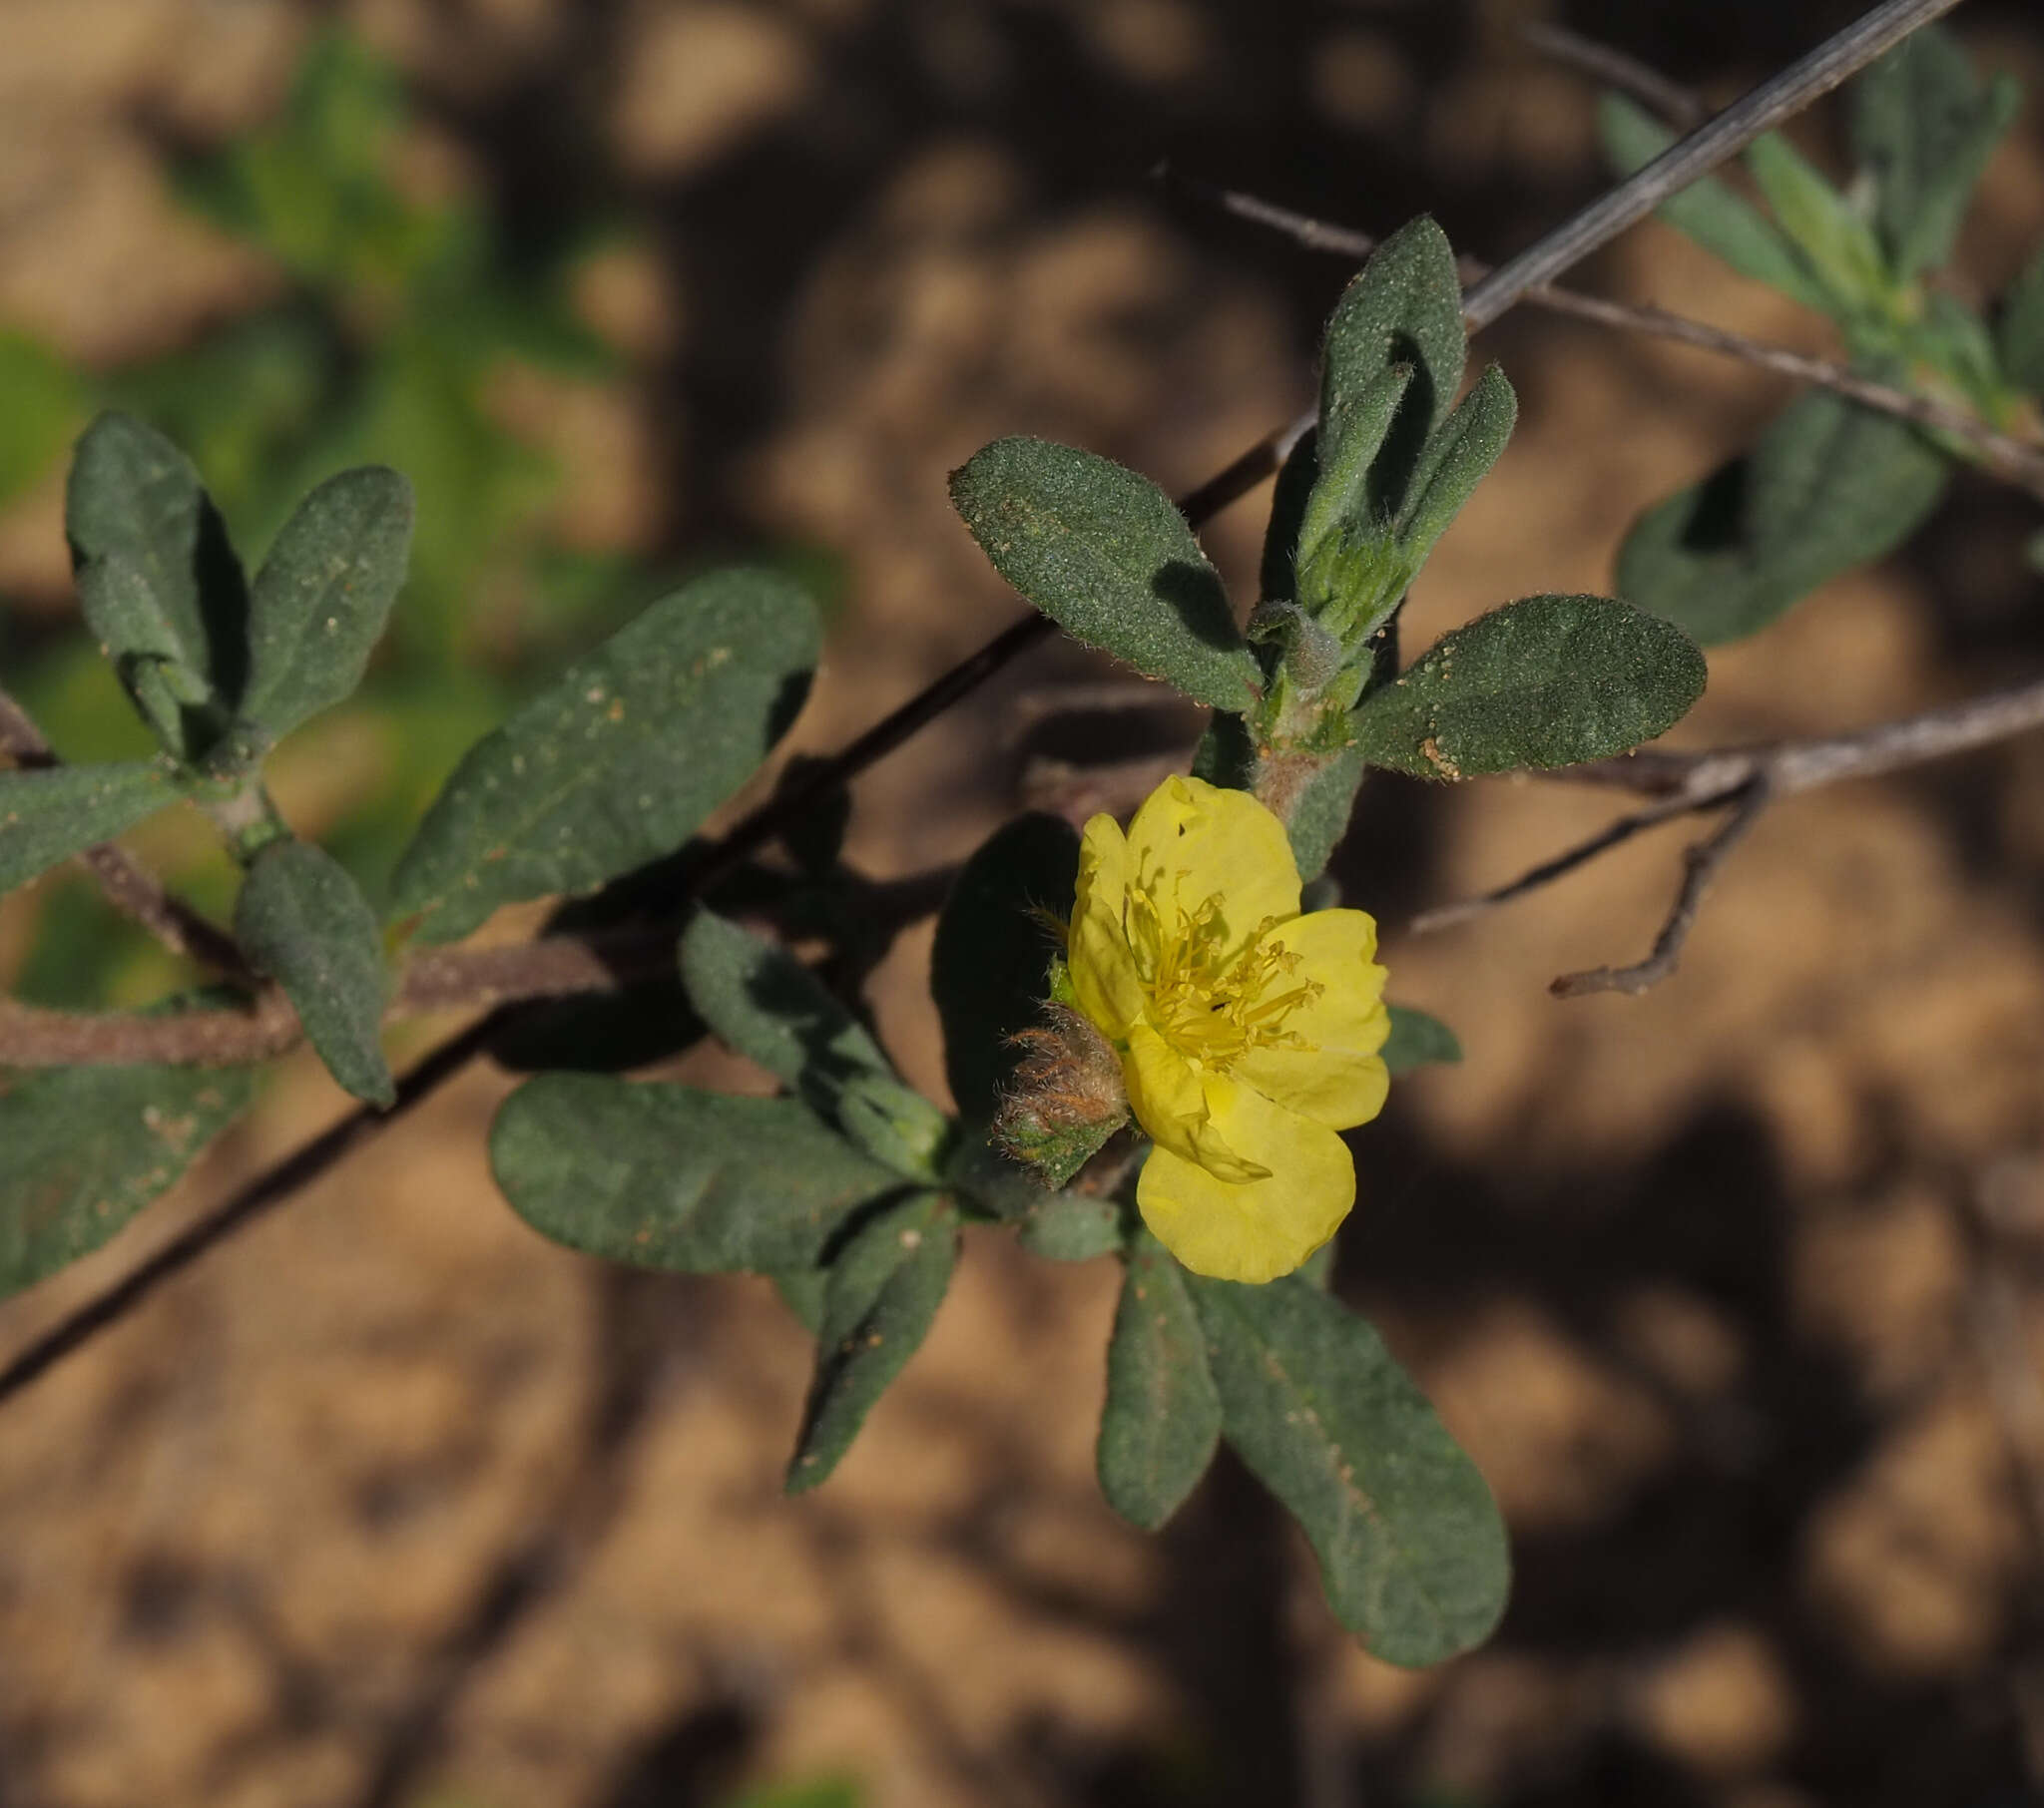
point(1248, 1034)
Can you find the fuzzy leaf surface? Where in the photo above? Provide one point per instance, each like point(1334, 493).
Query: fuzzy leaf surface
point(1544, 681)
point(1161, 1423)
point(83, 1150)
point(1107, 556)
point(1827, 487)
point(668, 1176)
point(1417, 1039)
point(302, 920)
point(49, 813)
point(763, 1003)
point(160, 585)
point(883, 1291)
point(1412, 1550)
point(1833, 239)
point(320, 602)
point(620, 760)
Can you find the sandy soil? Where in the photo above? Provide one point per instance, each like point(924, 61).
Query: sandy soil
point(1730, 1289)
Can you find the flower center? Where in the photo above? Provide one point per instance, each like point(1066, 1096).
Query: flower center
point(1211, 1005)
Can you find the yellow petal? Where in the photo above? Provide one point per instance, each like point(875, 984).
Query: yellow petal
point(1177, 1105)
point(1253, 1230)
point(1335, 1077)
point(1104, 981)
point(1192, 841)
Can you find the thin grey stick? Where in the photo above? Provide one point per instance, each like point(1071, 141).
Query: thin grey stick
point(1774, 100)
point(1753, 778)
point(1682, 108)
point(2016, 461)
point(1700, 867)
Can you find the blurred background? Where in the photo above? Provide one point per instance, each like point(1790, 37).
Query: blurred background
point(1732, 1290)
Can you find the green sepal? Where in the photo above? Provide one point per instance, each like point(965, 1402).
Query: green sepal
point(1416, 1040)
point(2019, 329)
point(1547, 681)
point(668, 1176)
point(1161, 1422)
point(1412, 1550)
point(995, 941)
point(304, 921)
point(1828, 486)
point(83, 1150)
point(884, 1289)
point(1107, 556)
point(1057, 1152)
point(761, 1001)
point(320, 602)
point(622, 759)
point(49, 813)
point(1707, 211)
point(1838, 245)
point(1925, 127)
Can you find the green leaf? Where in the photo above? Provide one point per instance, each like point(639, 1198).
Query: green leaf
point(1460, 456)
point(1828, 486)
point(1413, 1551)
point(1277, 574)
point(1545, 682)
point(1417, 1039)
point(1404, 307)
point(666, 1177)
point(43, 400)
point(49, 813)
point(1107, 556)
point(884, 1289)
point(301, 920)
point(1069, 1226)
point(1161, 1420)
point(765, 1004)
point(1707, 211)
point(1839, 245)
point(620, 760)
point(990, 966)
point(2019, 332)
point(1925, 127)
point(83, 1150)
point(159, 582)
point(319, 602)
point(802, 1293)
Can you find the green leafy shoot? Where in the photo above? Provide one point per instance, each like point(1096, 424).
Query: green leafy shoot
point(49, 813)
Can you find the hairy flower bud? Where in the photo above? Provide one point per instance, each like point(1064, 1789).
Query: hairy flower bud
point(1065, 1097)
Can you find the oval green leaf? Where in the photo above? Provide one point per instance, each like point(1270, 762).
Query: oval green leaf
point(49, 813)
point(883, 1291)
point(761, 1001)
point(1545, 682)
point(666, 1177)
point(83, 1150)
point(303, 921)
point(318, 604)
point(621, 759)
point(1107, 556)
point(1828, 486)
point(1416, 1040)
point(1161, 1423)
point(160, 585)
point(1412, 1550)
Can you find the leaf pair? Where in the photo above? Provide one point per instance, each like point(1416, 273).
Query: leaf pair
point(1412, 1550)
